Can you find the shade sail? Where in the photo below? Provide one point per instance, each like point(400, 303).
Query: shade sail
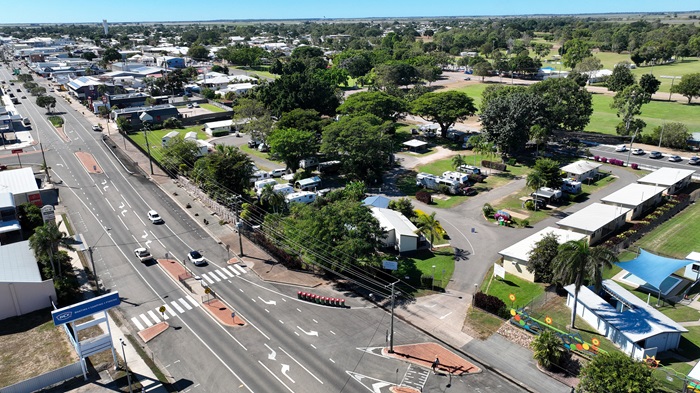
point(653, 268)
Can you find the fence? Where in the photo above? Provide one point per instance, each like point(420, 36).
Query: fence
point(195, 192)
point(45, 380)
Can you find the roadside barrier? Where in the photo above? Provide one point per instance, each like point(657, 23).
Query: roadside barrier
point(326, 301)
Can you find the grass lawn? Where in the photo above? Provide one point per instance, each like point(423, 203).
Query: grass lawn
point(155, 138)
point(413, 266)
point(57, 121)
point(255, 152)
point(211, 108)
point(523, 290)
point(31, 345)
point(676, 237)
point(259, 72)
point(686, 66)
point(474, 91)
point(482, 323)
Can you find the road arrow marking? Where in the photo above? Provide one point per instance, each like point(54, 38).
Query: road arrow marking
point(145, 235)
point(123, 213)
point(374, 385)
point(105, 188)
point(148, 243)
point(273, 355)
point(309, 333)
point(285, 369)
point(61, 165)
point(104, 182)
point(445, 316)
point(122, 205)
point(270, 302)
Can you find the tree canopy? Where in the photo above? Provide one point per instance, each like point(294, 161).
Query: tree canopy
point(292, 145)
point(541, 257)
point(507, 119)
point(569, 106)
point(444, 108)
point(378, 103)
point(621, 77)
point(689, 86)
point(615, 372)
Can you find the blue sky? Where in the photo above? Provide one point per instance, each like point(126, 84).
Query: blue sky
point(67, 11)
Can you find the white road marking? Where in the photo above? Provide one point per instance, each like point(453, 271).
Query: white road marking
point(235, 271)
point(240, 269)
point(273, 354)
point(154, 316)
point(110, 205)
point(446, 315)
point(169, 311)
point(285, 370)
point(281, 321)
point(309, 333)
point(332, 332)
point(227, 273)
point(313, 346)
point(184, 303)
point(277, 378)
point(315, 321)
point(146, 320)
point(207, 278)
point(295, 361)
point(127, 202)
point(332, 361)
point(221, 274)
point(163, 315)
point(268, 302)
point(215, 276)
point(177, 307)
point(191, 300)
point(137, 323)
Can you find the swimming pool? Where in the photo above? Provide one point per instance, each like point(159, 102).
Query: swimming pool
point(666, 286)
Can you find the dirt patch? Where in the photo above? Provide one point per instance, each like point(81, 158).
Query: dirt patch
point(31, 345)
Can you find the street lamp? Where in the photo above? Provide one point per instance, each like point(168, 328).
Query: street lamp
point(126, 365)
point(92, 261)
point(391, 326)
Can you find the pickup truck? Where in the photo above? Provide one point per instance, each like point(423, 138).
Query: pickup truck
point(142, 254)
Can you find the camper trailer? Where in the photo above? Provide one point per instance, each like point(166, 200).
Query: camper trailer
point(260, 175)
point(260, 184)
point(461, 177)
point(284, 189)
point(470, 170)
point(434, 182)
point(310, 183)
point(300, 197)
point(571, 186)
point(308, 163)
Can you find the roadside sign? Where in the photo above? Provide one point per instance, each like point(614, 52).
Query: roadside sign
point(85, 308)
point(48, 214)
point(499, 271)
point(390, 265)
point(17, 151)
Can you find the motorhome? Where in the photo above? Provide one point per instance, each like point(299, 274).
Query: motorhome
point(301, 197)
point(308, 163)
point(458, 176)
point(310, 183)
point(260, 184)
point(260, 175)
point(435, 182)
point(571, 186)
point(470, 170)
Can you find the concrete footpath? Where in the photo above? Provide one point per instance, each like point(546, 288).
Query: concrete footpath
point(441, 316)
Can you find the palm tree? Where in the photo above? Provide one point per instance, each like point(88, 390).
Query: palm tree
point(538, 134)
point(458, 161)
point(534, 180)
point(271, 197)
point(579, 262)
point(429, 225)
point(45, 242)
point(225, 150)
point(546, 349)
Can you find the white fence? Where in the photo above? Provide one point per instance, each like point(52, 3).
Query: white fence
point(196, 193)
point(45, 380)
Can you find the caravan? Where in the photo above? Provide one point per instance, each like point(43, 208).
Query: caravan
point(435, 183)
point(300, 197)
point(458, 176)
point(310, 183)
point(470, 170)
point(260, 184)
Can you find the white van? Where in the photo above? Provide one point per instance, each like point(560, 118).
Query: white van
point(279, 172)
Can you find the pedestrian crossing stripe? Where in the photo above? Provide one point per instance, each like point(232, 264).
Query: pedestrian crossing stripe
point(151, 317)
point(215, 277)
point(209, 280)
point(177, 307)
point(191, 300)
point(228, 273)
point(146, 320)
point(221, 274)
point(239, 268)
point(234, 270)
point(184, 303)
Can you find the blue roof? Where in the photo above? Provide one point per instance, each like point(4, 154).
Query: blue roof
point(653, 269)
point(377, 201)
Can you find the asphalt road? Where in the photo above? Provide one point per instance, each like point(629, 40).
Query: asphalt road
point(288, 345)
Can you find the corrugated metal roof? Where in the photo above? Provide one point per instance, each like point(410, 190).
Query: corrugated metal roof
point(593, 217)
point(17, 263)
point(18, 181)
point(666, 176)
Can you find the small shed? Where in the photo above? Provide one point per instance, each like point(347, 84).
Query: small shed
point(191, 136)
point(400, 232)
point(218, 127)
point(596, 221)
point(582, 170)
point(639, 198)
point(416, 146)
point(692, 271)
point(672, 179)
point(167, 137)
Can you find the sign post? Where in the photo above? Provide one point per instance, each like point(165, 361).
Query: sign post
point(18, 151)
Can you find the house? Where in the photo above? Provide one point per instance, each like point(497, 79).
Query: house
point(674, 180)
point(400, 233)
point(167, 137)
point(218, 127)
point(122, 101)
point(638, 329)
point(595, 221)
point(170, 62)
point(309, 183)
point(22, 289)
point(300, 197)
point(155, 114)
point(84, 87)
point(582, 170)
point(692, 271)
point(639, 198)
point(237, 88)
point(517, 257)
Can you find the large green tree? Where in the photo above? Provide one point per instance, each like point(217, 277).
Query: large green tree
point(179, 154)
point(541, 256)
point(110, 55)
point(429, 225)
point(579, 263)
point(395, 74)
point(224, 170)
point(46, 102)
point(621, 77)
point(574, 51)
point(547, 349)
point(305, 90)
point(689, 86)
point(549, 172)
point(569, 106)
point(378, 103)
point(628, 104)
point(674, 135)
point(302, 119)
point(615, 372)
point(292, 145)
point(508, 118)
point(649, 84)
point(256, 118)
point(445, 108)
point(362, 145)
point(198, 52)
point(45, 241)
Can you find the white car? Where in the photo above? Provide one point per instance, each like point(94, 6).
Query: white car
point(279, 172)
point(154, 217)
point(638, 152)
point(621, 148)
point(674, 158)
point(195, 257)
point(142, 254)
point(97, 127)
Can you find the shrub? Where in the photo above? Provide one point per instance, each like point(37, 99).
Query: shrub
point(596, 158)
point(494, 165)
point(424, 196)
point(219, 133)
point(512, 161)
point(443, 189)
point(525, 223)
point(603, 159)
point(487, 209)
point(172, 123)
point(530, 205)
point(635, 166)
point(473, 179)
point(491, 304)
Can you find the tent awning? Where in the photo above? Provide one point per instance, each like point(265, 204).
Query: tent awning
point(653, 269)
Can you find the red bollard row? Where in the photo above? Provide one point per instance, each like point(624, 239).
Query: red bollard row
point(327, 301)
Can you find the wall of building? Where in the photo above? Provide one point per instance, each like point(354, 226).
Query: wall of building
point(518, 268)
point(24, 297)
point(408, 243)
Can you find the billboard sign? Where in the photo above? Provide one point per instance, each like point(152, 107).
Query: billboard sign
point(390, 265)
point(86, 308)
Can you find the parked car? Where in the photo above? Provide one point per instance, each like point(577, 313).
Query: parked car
point(189, 106)
point(263, 148)
point(621, 148)
point(655, 154)
point(142, 254)
point(638, 152)
point(154, 217)
point(196, 105)
point(469, 191)
point(196, 258)
point(97, 127)
point(675, 158)
point(252, 144)
point(541, 204)
point(278, 172)
point(695, 160)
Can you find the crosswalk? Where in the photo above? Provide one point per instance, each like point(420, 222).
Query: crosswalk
point(215, 276)
point(151, 317)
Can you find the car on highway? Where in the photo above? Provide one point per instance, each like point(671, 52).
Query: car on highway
point(655, 154)
point(142, 254)
point(97, 127)
point(620, 148)
point(638, 152)
point(695, 160)
point(675, 158)
point(154, 217)
point(196, 258)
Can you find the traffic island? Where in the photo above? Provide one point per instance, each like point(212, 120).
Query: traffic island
point(222, 313)
point(152, 332)
point(89, 162)
point(403, 389)
point(425, 355)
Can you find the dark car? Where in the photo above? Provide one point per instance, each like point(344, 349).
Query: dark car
point(540, 203)
point(655, 154)
point(469, 191)
point(695, 160)
point(252, 144)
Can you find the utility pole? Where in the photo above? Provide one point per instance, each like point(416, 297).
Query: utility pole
point(148, 146)
point(126, 365)
point(239, 225)
point(391, 326)
point(46, 168)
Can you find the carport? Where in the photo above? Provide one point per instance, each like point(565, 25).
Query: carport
point(416, 146)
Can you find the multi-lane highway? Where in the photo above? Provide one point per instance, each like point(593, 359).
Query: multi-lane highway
point(287, 346)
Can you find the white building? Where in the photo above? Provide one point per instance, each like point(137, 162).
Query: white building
point(516, 258)
point(21, 288)
point(582, 170)
point(672, 179)
point(400, 232)
point(639, 198)
point(595, 221)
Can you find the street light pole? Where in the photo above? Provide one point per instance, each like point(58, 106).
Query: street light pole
point(239, 225)
point(92, 260)
point(148, 146)
point(391, 326)
point(126, 365)
point(433, 285)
